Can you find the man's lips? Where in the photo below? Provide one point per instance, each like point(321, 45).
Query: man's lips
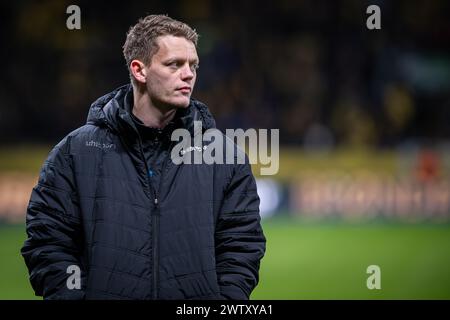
point(184, 89)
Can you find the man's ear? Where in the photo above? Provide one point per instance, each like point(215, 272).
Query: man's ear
point(138, 71)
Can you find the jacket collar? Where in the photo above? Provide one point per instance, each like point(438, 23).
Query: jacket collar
point(111, 110)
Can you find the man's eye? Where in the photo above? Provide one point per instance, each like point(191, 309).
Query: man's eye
point(195, 67)
point(173, 64)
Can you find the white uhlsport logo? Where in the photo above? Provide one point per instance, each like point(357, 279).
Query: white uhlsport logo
point(195, 148)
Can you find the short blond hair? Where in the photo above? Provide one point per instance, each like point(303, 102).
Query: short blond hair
point(141, 42)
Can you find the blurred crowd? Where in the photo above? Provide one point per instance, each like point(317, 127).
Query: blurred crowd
point(309, 68)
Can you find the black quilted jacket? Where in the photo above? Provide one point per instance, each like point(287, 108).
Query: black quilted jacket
point(197, 235)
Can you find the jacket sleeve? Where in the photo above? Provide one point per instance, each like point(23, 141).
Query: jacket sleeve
point(54, 229)
point(240, 242)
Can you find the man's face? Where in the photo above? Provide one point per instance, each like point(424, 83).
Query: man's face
point(172, 72)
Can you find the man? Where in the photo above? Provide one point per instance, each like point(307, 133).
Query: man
point(113, 208)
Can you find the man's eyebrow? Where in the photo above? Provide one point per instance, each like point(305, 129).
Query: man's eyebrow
point(172, 59)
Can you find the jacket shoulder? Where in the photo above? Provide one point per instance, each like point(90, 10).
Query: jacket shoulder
point(85, 136)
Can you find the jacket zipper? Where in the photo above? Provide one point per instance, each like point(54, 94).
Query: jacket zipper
point(155, 220)
point(155, 227)
point(156, 223)
point(155, 252)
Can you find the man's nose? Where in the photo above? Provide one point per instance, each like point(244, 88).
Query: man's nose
point(187, 73)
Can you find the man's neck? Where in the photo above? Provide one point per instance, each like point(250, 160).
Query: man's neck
point(150, 115)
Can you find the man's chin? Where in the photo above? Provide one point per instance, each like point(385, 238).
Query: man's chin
point(177, 103)
point(180, 103)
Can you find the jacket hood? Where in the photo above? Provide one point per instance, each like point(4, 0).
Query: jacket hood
point(111, 110)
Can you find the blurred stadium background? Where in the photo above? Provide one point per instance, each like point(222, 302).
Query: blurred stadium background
point(363, 117)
